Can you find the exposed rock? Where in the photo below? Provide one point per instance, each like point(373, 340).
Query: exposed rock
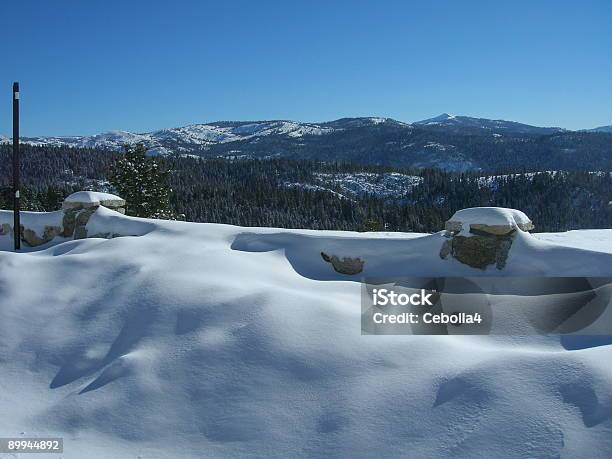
point(75, 218)
point(78, 205)
point(452, 227)
point(80, 232)
point(103, 235)
point(446, 249)
point(495, 230)
point(482, 236)
point(83, 217)
point(32, 239)
point(69, 222)
point(345, 265)
point(502, 253)
point(51, 232)
point(481, 251)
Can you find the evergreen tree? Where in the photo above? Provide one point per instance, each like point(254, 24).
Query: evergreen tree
point(143, 182)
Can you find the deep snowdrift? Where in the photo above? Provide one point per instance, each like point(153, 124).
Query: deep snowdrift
point(204, 340)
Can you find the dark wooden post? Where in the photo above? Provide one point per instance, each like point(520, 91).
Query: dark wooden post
point(16, 164)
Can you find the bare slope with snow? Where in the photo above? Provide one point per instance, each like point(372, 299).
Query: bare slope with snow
point(448, 142)
point(205, 340)
point(187, 138)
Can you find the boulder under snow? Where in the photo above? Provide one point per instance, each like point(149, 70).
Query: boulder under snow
point(497, 221)
point(72, 222)
point(483, 236)
point(87, 199)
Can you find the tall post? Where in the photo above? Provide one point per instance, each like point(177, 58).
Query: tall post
point(16, 164)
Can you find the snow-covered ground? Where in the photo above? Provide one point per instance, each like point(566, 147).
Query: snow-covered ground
point(207, 340)
point(596, 240)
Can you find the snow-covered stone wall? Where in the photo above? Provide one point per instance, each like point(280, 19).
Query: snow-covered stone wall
point(38, 228)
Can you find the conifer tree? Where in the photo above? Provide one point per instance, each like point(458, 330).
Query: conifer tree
point(143, 182)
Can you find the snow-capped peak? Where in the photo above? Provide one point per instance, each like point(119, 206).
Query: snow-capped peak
point(186, 138)
point(438, 119)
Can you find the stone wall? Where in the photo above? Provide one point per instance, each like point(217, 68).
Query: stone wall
point(70, 222)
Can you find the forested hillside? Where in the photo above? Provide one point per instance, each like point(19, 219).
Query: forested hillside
point(323, 195)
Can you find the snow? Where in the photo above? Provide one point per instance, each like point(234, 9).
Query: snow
point(596, 240)
point(35, 221)
point(492, 216)
point(440, 119)
point(108, 221)
point(211, 340)
point(92, 197)
point(310, 187)
point(602, 129)
point(438, 146)
point(187, 138)
point(387, 184)
point(492, 181)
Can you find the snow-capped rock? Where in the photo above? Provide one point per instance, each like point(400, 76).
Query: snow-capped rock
point(72, 222)
point(93, 199)
point(492, 220)
point(482, 236)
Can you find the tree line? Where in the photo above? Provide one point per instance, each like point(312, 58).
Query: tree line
point(250, 192)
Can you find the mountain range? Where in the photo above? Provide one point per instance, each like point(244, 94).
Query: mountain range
point(446, 141)
point(602, 129)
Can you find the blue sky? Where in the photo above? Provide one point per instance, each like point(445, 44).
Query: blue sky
point(92, 66)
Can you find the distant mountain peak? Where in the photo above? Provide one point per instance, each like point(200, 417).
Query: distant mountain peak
point(607, 129)
point(446, 142)
point(467, 123)
point(443, 117)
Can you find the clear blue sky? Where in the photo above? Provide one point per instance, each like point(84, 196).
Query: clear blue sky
point(92, 66)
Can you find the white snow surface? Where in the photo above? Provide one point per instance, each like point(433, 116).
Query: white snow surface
point(208, 340)
point(490, 216)
point(35, 221)
point(597, 240)
point(93, 197)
